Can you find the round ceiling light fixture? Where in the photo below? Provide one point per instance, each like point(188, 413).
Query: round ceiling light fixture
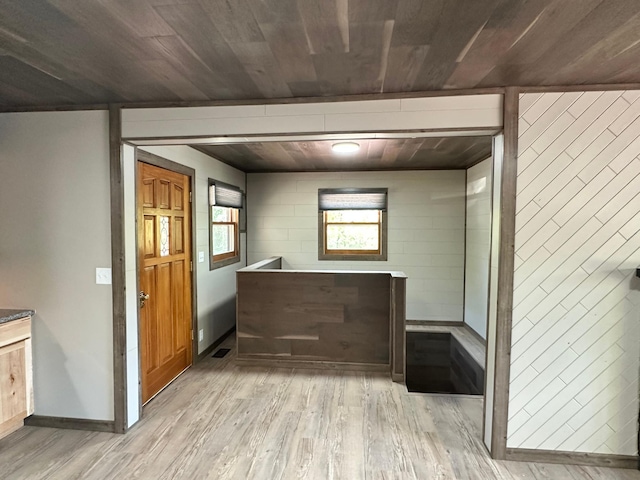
point(345, 147)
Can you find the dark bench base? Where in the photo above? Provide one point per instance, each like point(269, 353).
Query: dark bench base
point(438, 363)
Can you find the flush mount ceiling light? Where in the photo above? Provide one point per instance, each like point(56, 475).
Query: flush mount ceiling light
point(345, 147)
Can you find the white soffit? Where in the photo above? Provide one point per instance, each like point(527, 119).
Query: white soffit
point(229, 140)
point(426, 116)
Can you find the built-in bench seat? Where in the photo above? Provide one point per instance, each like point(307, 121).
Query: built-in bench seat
point(444, 359)
point(468, 340)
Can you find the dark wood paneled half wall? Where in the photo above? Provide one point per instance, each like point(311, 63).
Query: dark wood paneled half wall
point(334, 317)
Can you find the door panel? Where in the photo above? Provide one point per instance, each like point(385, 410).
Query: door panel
point(178, 274)
point(163, 197)
point(164, 259)
point(164, 318)
point(149, 236)
point(178, 196)
point(146, 190)
point(178, 237)
point(148, 325)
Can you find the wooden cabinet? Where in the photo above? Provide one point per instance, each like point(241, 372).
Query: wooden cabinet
point(16, 378)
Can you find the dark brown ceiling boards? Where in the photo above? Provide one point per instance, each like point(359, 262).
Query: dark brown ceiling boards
point(69, 52)
point(380, 154)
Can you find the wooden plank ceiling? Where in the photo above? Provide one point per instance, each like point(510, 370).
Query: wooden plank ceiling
point(379, 154)
point(59, 52)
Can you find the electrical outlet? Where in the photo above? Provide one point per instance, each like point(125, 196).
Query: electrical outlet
point(200, 335)
point(103, 276)
point(200, 257)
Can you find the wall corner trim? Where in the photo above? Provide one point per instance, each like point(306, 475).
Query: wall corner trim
point(118, 270)
point(505, 275)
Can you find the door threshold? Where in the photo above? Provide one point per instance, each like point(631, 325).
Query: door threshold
point(163, 388)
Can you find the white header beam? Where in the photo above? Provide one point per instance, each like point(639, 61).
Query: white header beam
point(463, 112)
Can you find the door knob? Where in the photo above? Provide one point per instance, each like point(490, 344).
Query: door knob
point(143, 297)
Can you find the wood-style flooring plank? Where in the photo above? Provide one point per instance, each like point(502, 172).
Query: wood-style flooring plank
point(223, 421)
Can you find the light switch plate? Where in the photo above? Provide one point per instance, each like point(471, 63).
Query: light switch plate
point(200, 257)
point(200, 335)
point(103, 276)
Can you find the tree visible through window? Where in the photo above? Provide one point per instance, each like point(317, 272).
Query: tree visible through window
point(352, 224)
point(224, 230)
point(348, 230)
point(224, 237)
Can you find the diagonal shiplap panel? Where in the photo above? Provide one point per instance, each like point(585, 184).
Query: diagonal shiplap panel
point(575, 340)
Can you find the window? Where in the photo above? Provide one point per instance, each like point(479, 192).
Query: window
point(225, 201)
point(352, 224)
point(224, 230)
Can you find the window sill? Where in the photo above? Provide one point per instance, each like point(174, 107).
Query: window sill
point(215, 264)
point(354, 257)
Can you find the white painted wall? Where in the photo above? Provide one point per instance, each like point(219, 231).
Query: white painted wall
point(425, 230)
point(131, 284)
point(575, 342)
point(478, 246)
point(490, 368)
point(55, 219)
point(216, 288)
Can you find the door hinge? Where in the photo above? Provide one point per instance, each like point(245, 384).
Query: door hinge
point(190, 198)
point(191, 266)
point(191, 335)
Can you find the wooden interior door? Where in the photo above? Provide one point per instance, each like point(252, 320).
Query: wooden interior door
point(164, 255)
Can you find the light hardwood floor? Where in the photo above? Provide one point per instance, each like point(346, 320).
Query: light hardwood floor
point(220, 421)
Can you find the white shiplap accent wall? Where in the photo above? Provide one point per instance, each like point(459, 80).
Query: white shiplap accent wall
point(478, 245)
point(425, 231)
point(575, 342)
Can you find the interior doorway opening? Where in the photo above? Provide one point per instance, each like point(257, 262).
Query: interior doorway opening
point(159, 132)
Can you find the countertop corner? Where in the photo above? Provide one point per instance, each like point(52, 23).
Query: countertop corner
point(11, 314)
